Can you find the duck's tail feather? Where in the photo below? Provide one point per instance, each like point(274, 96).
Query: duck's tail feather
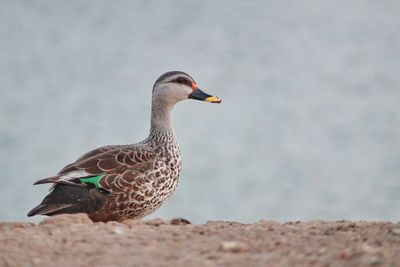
point(53, 179)
point(56, 180)
point(70, 199)
point(51, 209)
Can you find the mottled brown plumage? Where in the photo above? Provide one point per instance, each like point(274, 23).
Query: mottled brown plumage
point(126, 181)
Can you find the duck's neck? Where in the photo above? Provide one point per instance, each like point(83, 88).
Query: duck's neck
point(161, 131)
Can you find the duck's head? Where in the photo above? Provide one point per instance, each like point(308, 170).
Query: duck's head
point(175, 86)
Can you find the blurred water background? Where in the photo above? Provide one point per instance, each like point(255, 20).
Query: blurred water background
point(309, 127)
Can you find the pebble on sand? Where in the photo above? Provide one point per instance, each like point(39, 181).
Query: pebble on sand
point(234, 246)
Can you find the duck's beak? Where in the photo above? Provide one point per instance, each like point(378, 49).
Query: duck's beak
point(200, 95)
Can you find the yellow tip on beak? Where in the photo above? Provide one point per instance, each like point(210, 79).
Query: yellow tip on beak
point(213, 99)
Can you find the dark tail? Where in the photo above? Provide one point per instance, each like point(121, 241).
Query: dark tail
point(70, 199)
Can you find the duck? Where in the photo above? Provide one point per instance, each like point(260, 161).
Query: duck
point(119, 182)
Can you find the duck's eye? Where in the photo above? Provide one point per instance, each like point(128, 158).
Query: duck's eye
point(181, 80)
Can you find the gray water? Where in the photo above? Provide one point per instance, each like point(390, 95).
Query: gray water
point(309, 127)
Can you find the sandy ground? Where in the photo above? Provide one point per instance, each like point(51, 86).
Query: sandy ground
point(74, 240)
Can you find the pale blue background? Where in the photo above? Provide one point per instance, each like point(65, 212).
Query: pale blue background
point(309, 127)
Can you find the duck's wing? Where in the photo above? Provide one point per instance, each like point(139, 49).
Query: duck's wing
point(94, 152)
point(97, 151)
point(109, 170)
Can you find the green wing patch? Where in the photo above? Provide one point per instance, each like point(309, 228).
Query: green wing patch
point(94, 180)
